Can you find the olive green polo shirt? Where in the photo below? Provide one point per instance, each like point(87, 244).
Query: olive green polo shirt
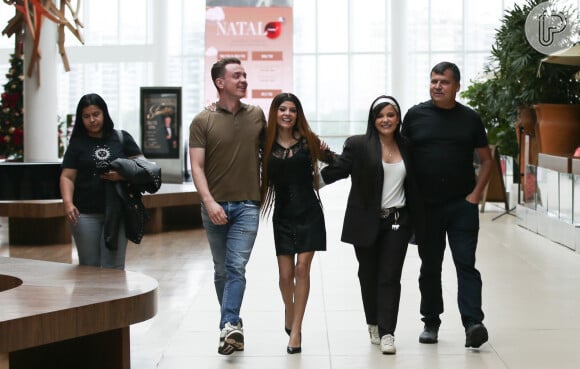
point(232, 144)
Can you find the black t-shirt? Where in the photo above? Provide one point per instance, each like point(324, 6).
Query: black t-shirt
point(86, 155)
point(444, 141)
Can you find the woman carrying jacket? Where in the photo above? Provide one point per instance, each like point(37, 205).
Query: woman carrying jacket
point(86, 179)
point(382, 212)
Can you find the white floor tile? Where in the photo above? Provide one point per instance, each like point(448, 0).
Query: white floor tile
point(531, 298)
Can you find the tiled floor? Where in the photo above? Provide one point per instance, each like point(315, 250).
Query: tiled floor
point(531, 299)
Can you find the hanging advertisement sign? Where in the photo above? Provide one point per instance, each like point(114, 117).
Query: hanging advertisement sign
point(262, 39)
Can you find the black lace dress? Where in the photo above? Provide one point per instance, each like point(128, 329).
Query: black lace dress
point(298, 218)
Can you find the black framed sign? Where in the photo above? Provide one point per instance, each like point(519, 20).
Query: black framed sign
point(160, 122)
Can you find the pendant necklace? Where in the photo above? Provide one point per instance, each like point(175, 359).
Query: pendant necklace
point(389, 152)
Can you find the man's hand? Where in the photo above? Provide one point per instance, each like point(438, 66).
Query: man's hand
point(216, 213)
point(473, 198)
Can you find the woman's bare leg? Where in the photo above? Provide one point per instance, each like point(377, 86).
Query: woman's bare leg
point(301, 291)
point(286, 284)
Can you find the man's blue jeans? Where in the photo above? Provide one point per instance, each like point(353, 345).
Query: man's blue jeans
point(231, 245)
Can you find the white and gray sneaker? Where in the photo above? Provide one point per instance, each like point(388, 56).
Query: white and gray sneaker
point(388, 344)
point(374, 334)
point(231, 339)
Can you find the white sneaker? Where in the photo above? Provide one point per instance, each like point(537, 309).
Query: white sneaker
point(388, 344)
point(374, 334)
point(231, 339)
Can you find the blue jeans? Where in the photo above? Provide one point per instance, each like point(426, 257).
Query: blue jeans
point(90, 241)
point(231, 245)
point(459, 221)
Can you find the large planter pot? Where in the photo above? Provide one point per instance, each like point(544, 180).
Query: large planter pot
point(558, 128)
point(526, 136)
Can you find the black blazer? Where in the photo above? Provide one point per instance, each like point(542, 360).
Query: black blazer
point(362, 217)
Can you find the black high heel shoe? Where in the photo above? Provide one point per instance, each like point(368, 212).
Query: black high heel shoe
point(294, 350)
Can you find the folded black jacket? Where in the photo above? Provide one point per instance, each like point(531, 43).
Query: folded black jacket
point(123, 199)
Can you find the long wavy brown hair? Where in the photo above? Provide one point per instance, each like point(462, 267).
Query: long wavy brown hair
point(300, 129)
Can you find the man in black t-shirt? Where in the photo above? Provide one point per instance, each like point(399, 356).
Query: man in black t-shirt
point(444, 135)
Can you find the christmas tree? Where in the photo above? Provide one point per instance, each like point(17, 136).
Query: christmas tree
point(11, 119)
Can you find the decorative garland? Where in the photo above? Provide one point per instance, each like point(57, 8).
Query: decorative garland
point(31, 13)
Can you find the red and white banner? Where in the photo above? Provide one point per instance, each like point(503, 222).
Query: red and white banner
point(262, 38)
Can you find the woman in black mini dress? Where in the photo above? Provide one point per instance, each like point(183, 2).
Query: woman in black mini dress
point(291, 154)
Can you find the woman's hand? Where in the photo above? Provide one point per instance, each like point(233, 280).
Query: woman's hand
point(72, 213)
point(211, 107)
point(113, 176)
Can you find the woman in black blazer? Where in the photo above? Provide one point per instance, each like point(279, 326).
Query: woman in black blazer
point(382, 212)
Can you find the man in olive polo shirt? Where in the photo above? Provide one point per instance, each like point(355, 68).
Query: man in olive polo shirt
point(224, 147)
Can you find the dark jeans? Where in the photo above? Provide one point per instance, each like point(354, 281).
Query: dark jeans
point(459, 221)
point(379, 273)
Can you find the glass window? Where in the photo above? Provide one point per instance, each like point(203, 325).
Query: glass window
point(333, 94)
point(419, 25)
point(101, 21)
point(192, 99)
point(129, 84)
point(175, 34)
point(473, 68)
point(304, 14)
point(446, 25)
point(333, 25)
point(342, 58)
point(192, 34)
point(484, 19)
point(420, 69)
point(369, 27)
point(305, 84)
point(368, 81)
point(135, 23)
point(5, 15)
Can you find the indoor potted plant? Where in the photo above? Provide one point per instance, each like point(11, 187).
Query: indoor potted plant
point(516, 79)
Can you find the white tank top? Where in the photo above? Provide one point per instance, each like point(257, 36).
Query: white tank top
point(393, 180)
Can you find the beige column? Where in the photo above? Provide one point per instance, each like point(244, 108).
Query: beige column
point(400, 55)
point(171, 169)
point(40, 100)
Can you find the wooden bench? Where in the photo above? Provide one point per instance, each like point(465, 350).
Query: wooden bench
point(57, 315)
point(42, 222)
point(174, 206)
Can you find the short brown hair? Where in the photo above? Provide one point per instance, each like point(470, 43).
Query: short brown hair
point(218, 69)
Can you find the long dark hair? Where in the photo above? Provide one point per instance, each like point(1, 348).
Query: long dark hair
point(300, 129)
point(87, 100)
point(373, 146)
